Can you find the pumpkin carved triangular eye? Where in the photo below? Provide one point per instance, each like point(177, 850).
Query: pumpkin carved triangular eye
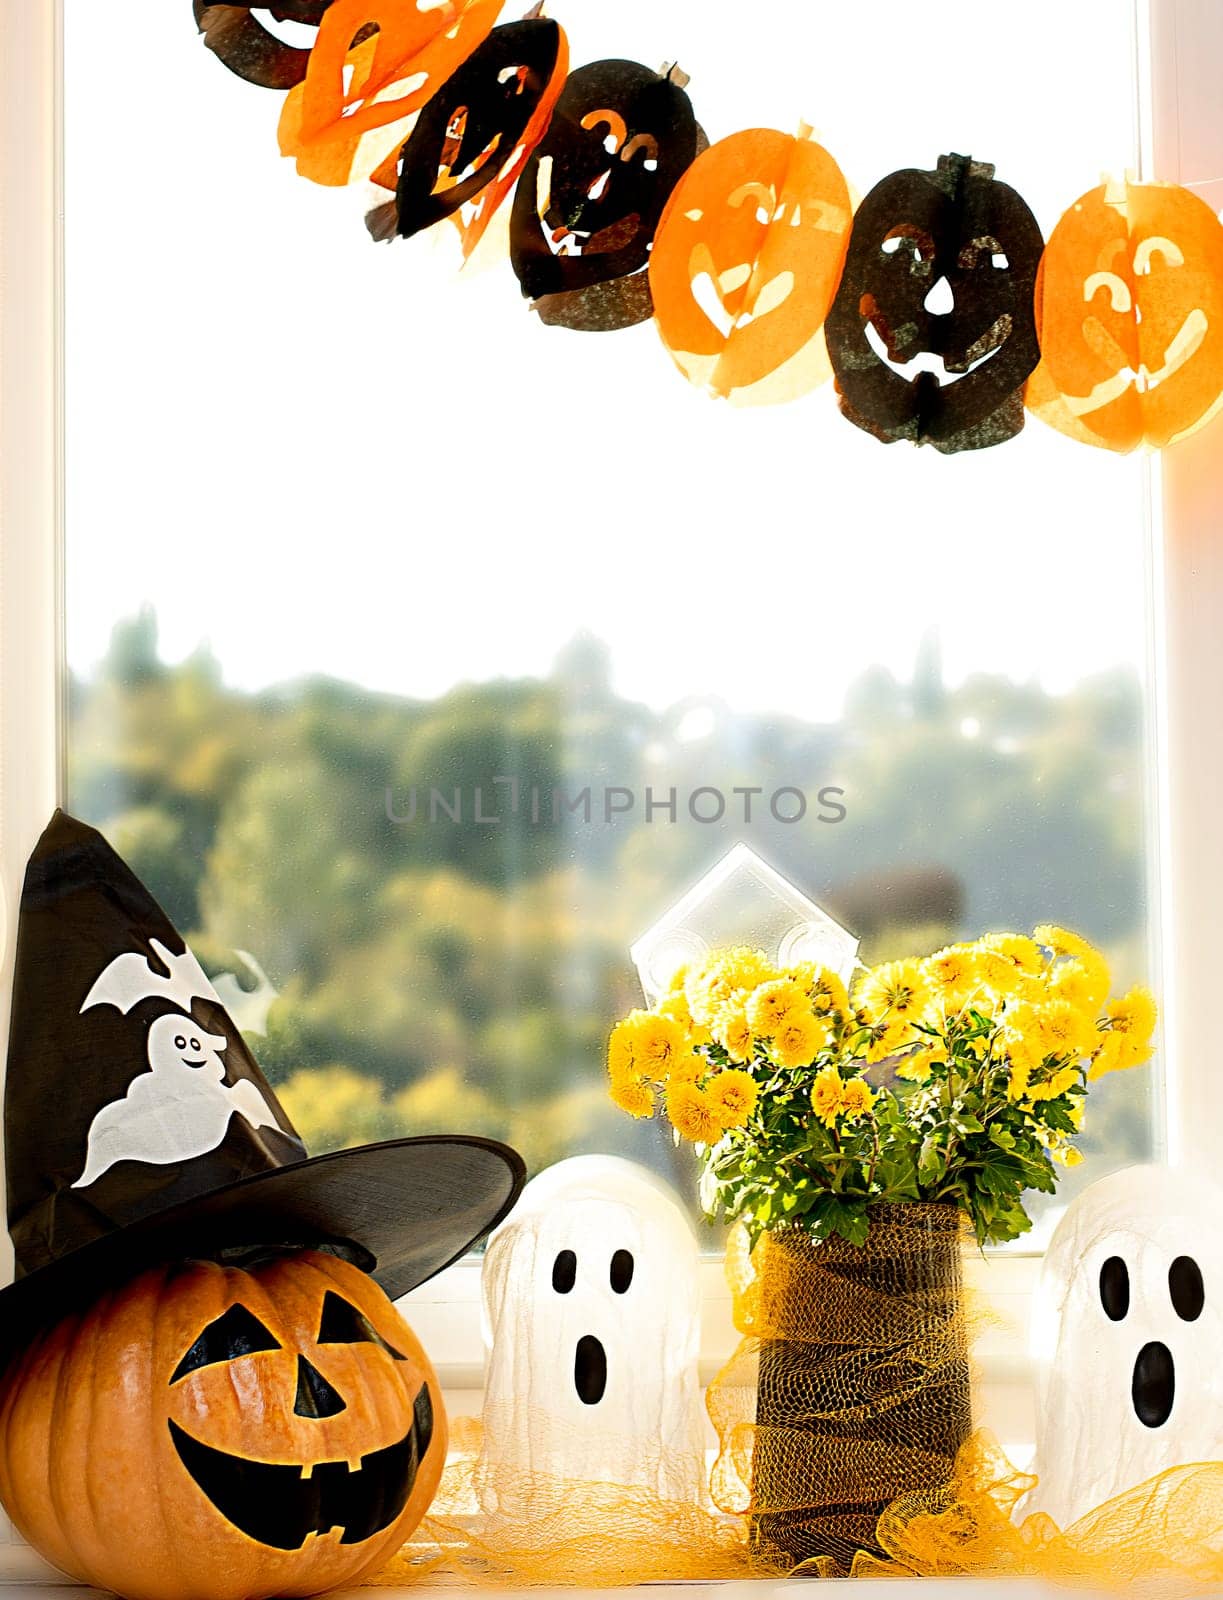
point(344, 1324)
point(236, 1333)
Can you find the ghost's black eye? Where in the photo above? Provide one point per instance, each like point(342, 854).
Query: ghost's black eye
point(343, 1324)
point(1115, 1289)
point(564, 1272)
point(621, 1271)
point(237, 1333)
point(1186, 1288)
point(179, 1042)
point(195, 1045)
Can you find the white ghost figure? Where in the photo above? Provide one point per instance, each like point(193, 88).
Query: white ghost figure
point(130, 978)
point(179, 1110)
point(1128, 1338)
point(592, 1322)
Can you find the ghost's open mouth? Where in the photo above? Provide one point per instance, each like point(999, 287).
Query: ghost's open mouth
point(943, 370)
point(198, 1063)
point(1154, 1385)
point(280, 1506)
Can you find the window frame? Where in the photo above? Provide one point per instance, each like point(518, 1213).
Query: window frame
point(1180, 48)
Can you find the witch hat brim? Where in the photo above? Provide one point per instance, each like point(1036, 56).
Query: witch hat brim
point(139, 1128)
point(403, 1210)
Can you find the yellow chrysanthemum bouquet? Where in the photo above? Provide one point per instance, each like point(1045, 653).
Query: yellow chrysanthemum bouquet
point(958, 1078)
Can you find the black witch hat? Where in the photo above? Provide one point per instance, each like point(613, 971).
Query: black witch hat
point(138, 1127)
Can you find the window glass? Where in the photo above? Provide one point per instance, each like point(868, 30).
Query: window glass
point(360, 555)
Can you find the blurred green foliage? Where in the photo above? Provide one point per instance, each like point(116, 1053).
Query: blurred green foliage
point(441, 976)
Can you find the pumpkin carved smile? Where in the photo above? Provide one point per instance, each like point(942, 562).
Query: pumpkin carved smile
point(282, 1506)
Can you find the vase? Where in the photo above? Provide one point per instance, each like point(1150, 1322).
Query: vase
point(863, 1390)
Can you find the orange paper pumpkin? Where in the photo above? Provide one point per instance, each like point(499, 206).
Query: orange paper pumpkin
point(374, 65)
point(1129, 308)
point(213, 1432)
point(746, 264)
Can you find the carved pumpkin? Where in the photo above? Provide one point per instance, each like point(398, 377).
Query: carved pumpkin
point(223, 1431)
point(238, 38)
point(1129, 306)
point(374, 64)
point(932, 334)
point(746, 262)
point(474, 137)
point(594, 189)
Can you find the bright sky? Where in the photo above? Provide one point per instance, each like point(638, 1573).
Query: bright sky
point(324, 455)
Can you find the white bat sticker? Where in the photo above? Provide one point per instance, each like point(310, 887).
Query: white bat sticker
point(130, 978)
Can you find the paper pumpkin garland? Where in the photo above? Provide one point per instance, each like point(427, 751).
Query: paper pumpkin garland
point(593, 192)
point(940, 306)
point(375, 63)
point(746, 263)
point(1130, 315)
point(265, 1427)
point(237, 37)
point(933, 333)
point(472, 140)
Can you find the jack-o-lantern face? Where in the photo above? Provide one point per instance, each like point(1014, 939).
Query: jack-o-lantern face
point(1130, 314)
point(267, 1429)
point(592, 194)
point(473, 139)
point(240, 39)
point(374, 65)
point(747, 261)
point(932, 333)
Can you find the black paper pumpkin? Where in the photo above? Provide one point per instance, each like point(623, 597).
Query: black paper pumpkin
point(593, 192)
point(941, 270)
point(471, 130)
point(237, 37)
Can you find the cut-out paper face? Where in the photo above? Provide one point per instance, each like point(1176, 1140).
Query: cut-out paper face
point(1127, 1332)
point(932, 334)
point(238, 36)
point(591, 1316)
point(591, 195)
point(235, 1430)
point(1130, 315)
point(472, 140)
point(374, 65)
point(746, 263)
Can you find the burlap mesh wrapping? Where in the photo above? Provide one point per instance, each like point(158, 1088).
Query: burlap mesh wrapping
point(850, 1388)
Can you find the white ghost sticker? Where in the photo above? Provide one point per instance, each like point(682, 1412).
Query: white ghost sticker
point(178, 1110)
point(130, 978)
point(1127, 1333)
point(591, 1311)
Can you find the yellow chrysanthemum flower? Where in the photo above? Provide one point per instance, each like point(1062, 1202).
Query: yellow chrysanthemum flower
point(889, 1036)
point(633, 1096)
point(1063, 1030)
point(800, 1039)
point(723, 976)
point(1127, 1043)
point(918, 1067)
point(1082, 984)
point(826, 1095)
point(1067, 1156)
point(1020, 952)
point(1064, 943)
point(650, 1041)
point(953, 976)
point(896, 989)
point(772, 1003)
point(857, 1098)
point(687, 1067)
point(691, 1114)
point(621, 1066)
point(824, 990)
point(732, 1097)
point(733, 1031)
